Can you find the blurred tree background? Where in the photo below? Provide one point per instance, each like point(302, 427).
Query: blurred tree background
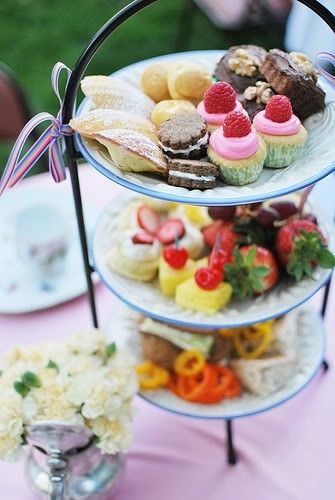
point(35, 34)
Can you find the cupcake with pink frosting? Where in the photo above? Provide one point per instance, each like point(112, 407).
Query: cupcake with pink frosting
point(281, 130)
point(219, 100)
point(237, 150)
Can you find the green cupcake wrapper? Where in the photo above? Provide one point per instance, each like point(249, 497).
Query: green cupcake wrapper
point(281, 156)
point(240, 176)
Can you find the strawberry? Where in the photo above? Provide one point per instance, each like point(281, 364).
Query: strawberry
point(227, 235)
point(236, 124)
point(219, 259)
point(253, 271)
point(278, 109)
point(148, 219)
point(220, 98)
point(142, 238)
point(175, 256)
point(170, 230)
point(300, 246)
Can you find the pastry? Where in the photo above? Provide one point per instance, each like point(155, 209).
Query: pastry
point(205, 292)
point(174, 268)
point(240, 66)
point(188, 81)
point(154, 82)
point(184, 136)
point(237, 150)
point(132, 152)
point(114, 93)
point(292, 75)
point(282, 132)
point(167, 109)
point(189, 236)
point(106, 119)
point(197, 216)
point(135, 255)
point(256, 97)
point(192, 174)
point(219, 100)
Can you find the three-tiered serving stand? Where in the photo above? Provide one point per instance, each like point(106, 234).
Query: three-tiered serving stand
point(76, 149)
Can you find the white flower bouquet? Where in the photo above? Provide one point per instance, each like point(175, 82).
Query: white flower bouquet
point(82, 381)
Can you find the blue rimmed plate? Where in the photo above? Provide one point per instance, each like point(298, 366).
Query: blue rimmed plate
point(316, 162)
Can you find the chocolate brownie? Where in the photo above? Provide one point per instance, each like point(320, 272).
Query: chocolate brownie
point(288, 78)
point(240, 66)
point(256, 97)
point(192, 174)
point(184, 136)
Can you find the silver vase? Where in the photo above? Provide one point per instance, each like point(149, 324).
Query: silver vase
point(64, 464)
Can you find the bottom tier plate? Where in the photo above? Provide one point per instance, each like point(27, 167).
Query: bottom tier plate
point(123, 327)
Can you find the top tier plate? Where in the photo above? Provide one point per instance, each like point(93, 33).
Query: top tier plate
point(317, 161)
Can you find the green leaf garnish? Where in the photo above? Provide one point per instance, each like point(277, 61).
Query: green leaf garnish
point(30, 379)
point(110, 349)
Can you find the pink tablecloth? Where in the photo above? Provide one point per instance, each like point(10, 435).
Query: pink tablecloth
point(286, 454)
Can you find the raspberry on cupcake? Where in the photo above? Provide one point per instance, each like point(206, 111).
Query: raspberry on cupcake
point(282, 132)
point(237, 150)
point(219, 100)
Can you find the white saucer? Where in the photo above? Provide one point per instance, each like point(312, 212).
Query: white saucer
point(317, 160)
point(147, 298)
point(20, 290)
point(311, 340)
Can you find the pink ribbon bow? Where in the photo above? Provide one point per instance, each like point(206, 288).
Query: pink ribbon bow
point(330, 58)
point(50, 139)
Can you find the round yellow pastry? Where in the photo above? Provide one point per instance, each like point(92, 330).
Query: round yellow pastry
point(188, 81)
point(168, 108)
point(154, 82)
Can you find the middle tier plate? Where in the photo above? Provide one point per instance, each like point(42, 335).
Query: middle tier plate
point(147, 298)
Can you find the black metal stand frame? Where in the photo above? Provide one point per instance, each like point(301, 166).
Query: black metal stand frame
point(73, 155)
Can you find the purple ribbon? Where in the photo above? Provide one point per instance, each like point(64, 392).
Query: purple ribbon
point(50, 139)
point(326, 56)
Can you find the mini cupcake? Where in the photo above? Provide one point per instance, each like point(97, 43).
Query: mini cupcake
point(237, 150)
point(282, 132)
point(219, 100)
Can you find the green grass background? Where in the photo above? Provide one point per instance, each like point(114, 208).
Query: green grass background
point(35, 34)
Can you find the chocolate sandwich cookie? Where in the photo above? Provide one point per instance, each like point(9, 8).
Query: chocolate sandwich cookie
point(184, 136)
point(192, 174)
point(292, 75)
point(240, 66)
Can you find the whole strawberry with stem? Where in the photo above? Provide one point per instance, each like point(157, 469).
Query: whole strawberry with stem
point(300, 246)
point(254, 270)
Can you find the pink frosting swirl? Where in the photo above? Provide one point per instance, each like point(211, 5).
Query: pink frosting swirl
point(266, 126)
point(215, 118)
point(234, 148)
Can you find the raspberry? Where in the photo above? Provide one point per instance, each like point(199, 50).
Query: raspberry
point(220, 98)
point(278, 109)
point(236, 124)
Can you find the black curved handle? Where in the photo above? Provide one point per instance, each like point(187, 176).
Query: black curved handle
point(114, 23)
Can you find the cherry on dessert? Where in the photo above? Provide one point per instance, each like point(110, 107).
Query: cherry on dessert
point(148, 219)
point(236, 124)
point(218, 259)
point(142, 238)
point(278, 109)
point(220, 98)
point(175, 257)
point(170, 230)
point(208, 278)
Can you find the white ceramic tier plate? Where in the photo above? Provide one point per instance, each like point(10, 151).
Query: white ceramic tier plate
point(316, 162)
point(20, 290)
point(147, 298)
point(311, 339)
